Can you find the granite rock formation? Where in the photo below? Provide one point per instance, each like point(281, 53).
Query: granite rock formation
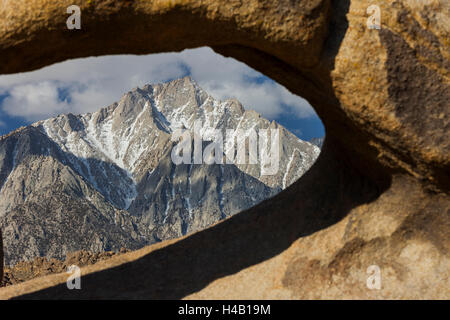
point(106, 180)
point(377, 195)
point(41, 266)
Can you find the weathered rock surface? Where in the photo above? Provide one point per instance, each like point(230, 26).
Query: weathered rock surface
point(379, 192)
point(41, 266)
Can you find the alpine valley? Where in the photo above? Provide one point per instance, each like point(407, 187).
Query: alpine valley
point(105, 180)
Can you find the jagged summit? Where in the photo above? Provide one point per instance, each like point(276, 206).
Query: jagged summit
point(110, 174)
point(113, 130)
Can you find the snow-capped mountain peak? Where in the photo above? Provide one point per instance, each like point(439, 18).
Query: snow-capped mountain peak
point(117, 162)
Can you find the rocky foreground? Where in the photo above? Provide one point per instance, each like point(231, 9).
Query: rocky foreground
point(377, 195)
point(41, 266)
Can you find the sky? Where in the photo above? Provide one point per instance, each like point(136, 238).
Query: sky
point(86, 85)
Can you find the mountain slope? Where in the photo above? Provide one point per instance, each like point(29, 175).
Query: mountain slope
point(106, 180)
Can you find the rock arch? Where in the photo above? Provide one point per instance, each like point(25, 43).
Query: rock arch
point(378, 193)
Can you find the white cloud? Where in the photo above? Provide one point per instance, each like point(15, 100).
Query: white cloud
point(34, 100)
point(95, 82)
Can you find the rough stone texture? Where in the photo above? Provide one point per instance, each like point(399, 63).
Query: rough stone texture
point(42, 266)
point(378, 193)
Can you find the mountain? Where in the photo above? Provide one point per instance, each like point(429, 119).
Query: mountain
point(106, 180)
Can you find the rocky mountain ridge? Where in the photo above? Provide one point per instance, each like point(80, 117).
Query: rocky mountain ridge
point(105, 180)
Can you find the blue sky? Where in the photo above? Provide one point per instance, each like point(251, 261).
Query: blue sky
point(86, 85)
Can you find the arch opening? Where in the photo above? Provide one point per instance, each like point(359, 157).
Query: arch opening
point(91, 145)
point(361, 197)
